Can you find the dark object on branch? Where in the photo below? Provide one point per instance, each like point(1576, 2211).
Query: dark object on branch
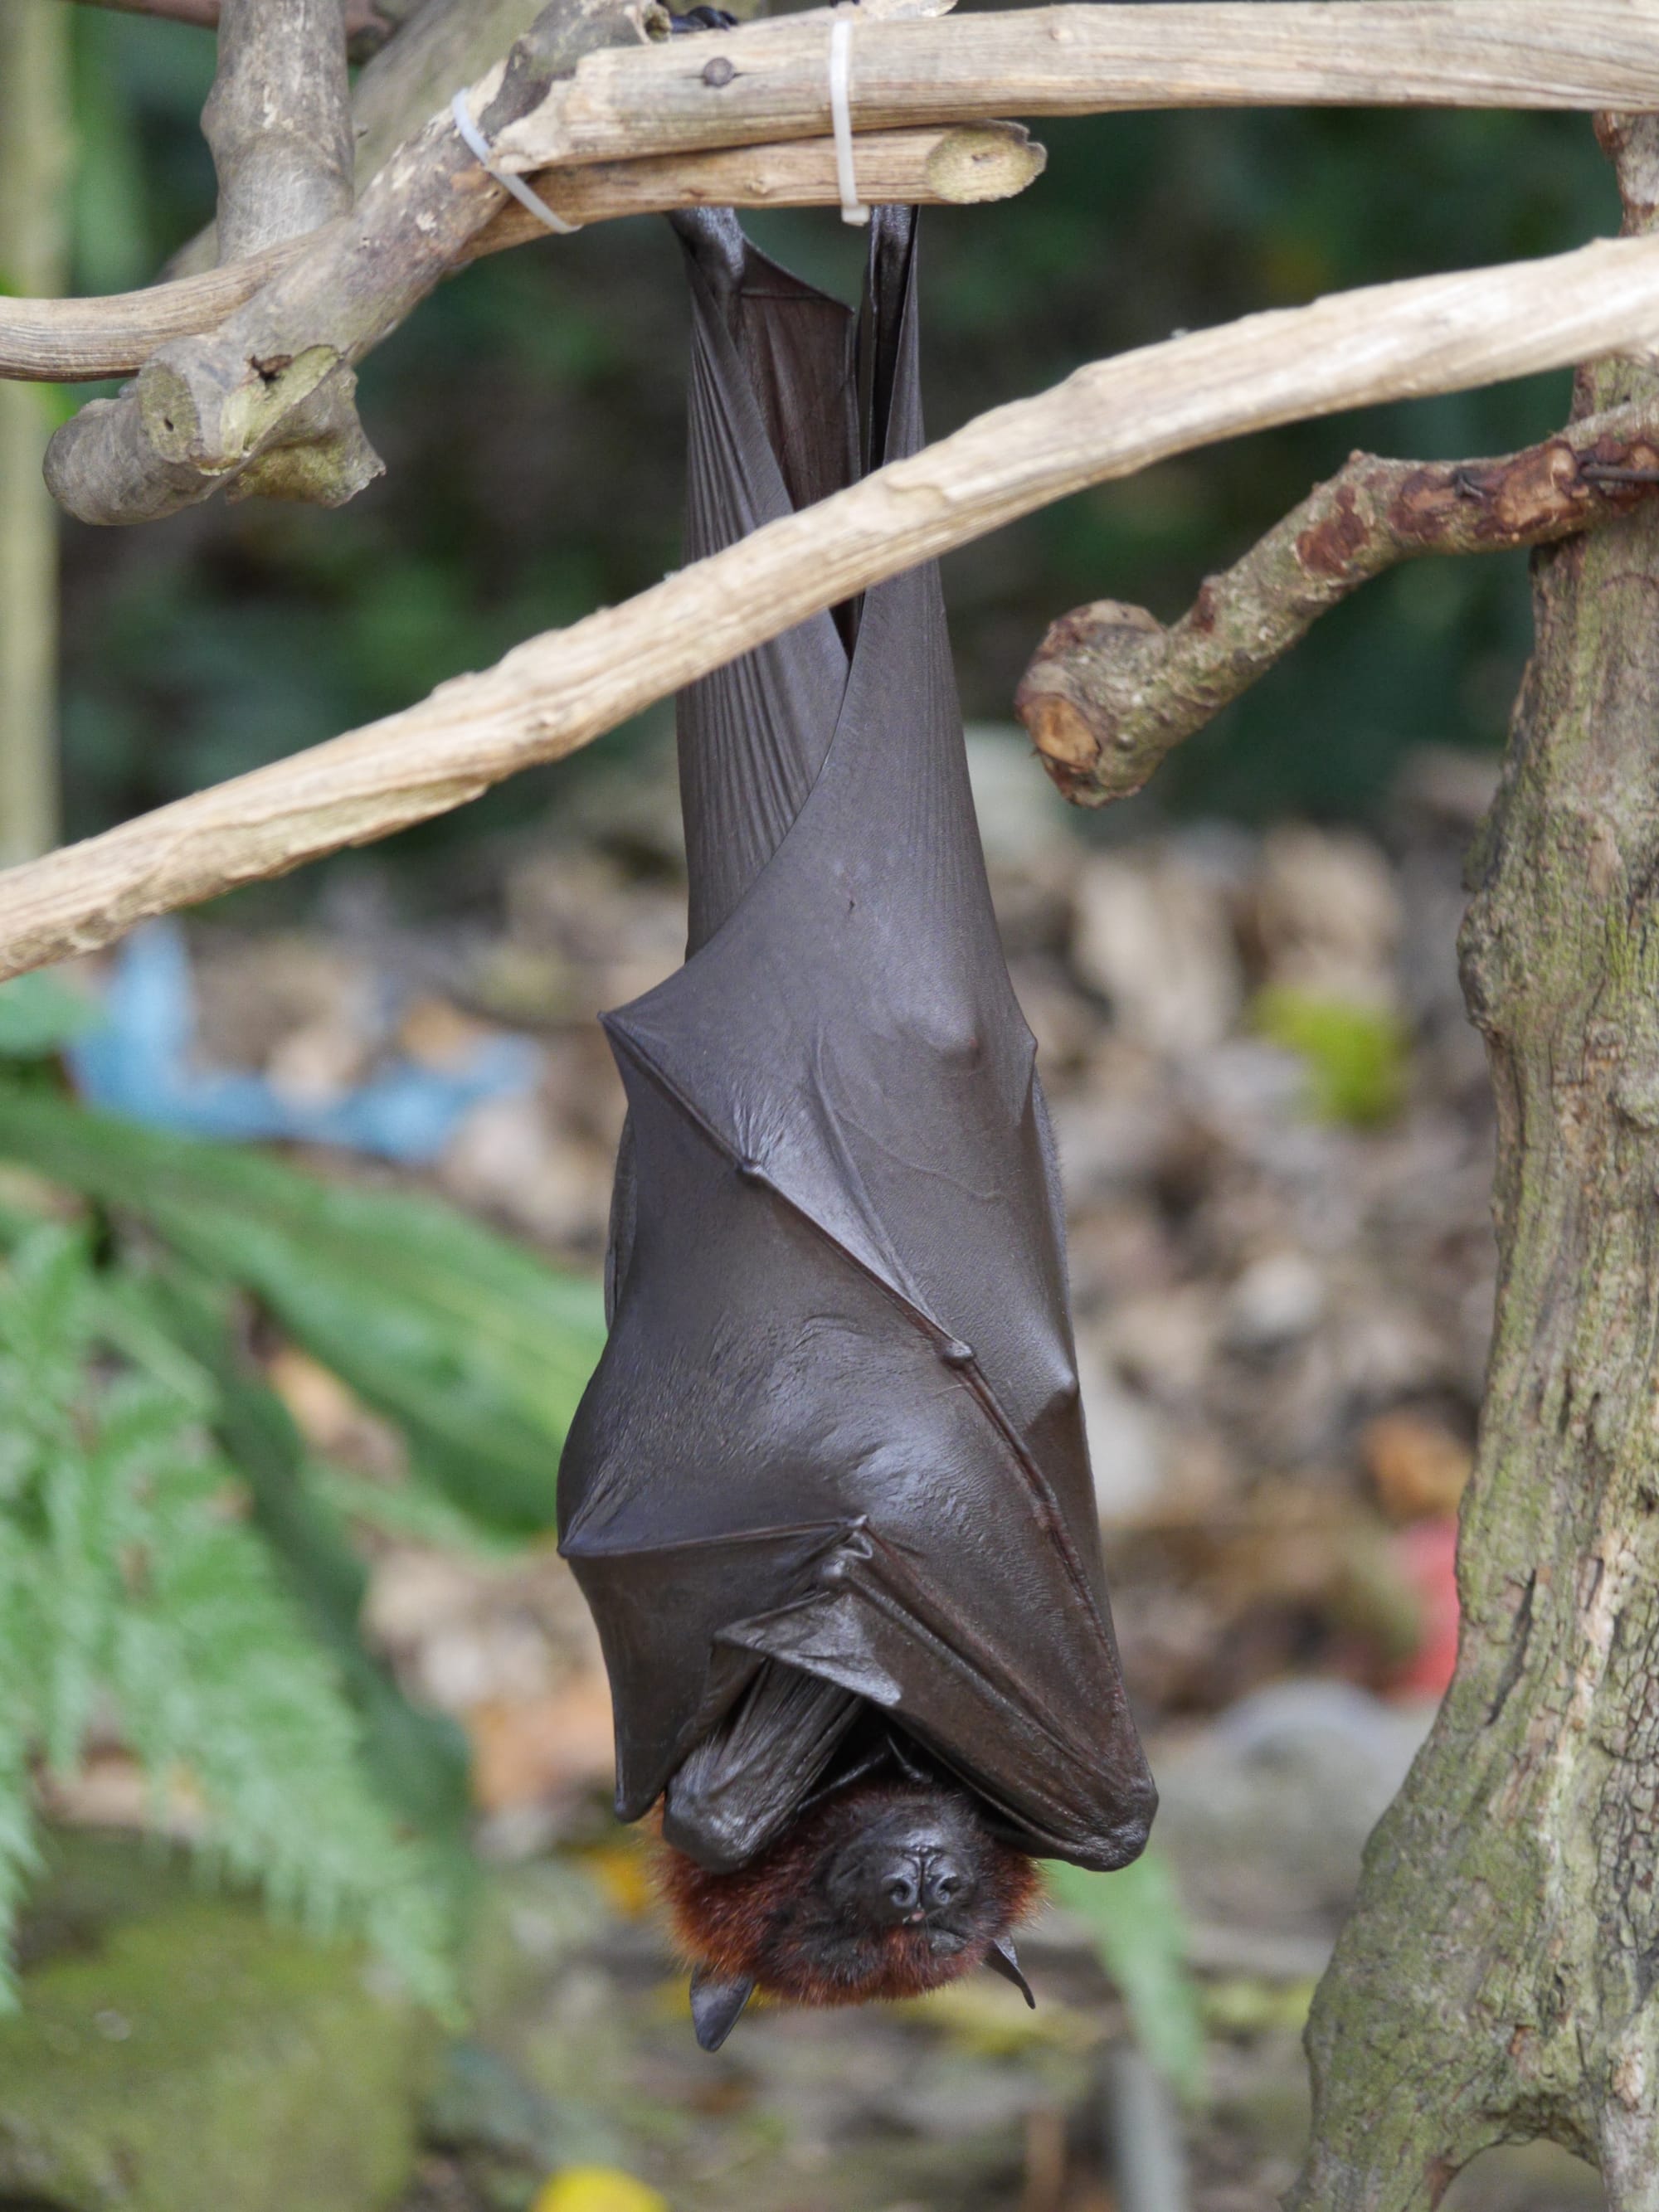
point(1111, 691)
point(828, 1493)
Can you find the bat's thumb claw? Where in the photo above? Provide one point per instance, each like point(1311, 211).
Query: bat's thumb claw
point(716, 2004)
point(1002, 1959)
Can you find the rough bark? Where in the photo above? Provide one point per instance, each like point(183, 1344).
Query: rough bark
point(203, 410)
point(278, 121)
point(68, 340)
point(1111, 691)
point(368, 23)
point(1499, 1977)
point(34, 159)
point(443, 45)
point(275, 378)
point(1079, 58)
point(560, 690)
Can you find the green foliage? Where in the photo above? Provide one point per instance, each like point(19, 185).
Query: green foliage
point(171, 1551)
point(39, 1015)
point(1136, 1921)
point(477, 1351)
point(1357, 1056)
point(130, 1573)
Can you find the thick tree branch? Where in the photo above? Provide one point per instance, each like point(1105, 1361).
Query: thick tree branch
point(70, 340)
point(1080, 59)
point(202, 409)
point(1111, 691)
point(278, 123)
point(445, 44)
point(1495, 1981)
point(368, 23)
point(560, 690)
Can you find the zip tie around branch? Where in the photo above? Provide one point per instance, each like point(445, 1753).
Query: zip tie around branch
point(853, 209)
point(478, 146)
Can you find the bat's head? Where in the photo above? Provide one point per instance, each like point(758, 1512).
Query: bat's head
point(885, 1889)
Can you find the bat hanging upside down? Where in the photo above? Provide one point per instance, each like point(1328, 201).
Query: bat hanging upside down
point(828, 1493)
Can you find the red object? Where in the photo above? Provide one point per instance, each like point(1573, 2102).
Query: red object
point(1428, 1552)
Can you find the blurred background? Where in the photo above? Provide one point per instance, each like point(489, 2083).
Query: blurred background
point(304, 1740)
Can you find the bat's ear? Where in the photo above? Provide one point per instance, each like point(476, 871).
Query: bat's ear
point(1000, 1960)
point(715, 2005)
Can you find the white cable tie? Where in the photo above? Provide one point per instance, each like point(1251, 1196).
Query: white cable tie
point(478, 146)
point(853, 209)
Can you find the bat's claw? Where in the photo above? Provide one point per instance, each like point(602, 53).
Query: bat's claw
point(1002, 1959)
point(715, 2005)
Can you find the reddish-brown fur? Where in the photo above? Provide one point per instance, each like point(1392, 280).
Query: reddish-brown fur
point(763, 1923)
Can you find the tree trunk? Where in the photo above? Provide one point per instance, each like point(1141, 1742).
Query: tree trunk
point(34, 147)
point(1496, 1981)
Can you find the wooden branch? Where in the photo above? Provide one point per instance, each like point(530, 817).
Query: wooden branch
point(278, 124)
point(1079, 59)
point(445, 44)
point(560, 690)
point(278, 121)
point(1111, 691)
point(368, 23)
point(71, 340)
point(202, 409)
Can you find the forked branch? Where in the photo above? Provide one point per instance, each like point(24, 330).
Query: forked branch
point(68, 340)
point(1111, 691)
point(203, 408)
point(562, 689)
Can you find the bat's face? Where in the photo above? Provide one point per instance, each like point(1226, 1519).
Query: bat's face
point(886, 1889)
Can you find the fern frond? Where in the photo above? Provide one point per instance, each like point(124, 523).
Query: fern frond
point(128, 1569)
point(18, 1856)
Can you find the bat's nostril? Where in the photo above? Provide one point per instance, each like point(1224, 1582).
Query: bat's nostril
point(943, 1881)
point(901, 1887)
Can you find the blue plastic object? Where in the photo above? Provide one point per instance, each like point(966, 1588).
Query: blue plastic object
point(139, 1061)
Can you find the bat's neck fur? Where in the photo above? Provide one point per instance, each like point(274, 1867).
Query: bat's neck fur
point(799, 1922)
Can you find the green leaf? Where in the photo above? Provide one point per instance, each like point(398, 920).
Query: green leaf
point(130, 1573)
point(478, 1350)
point(1356, 1055)
point(418, 1761)
point(39, 1015)
point(1139, 1932)
point(19, 1857)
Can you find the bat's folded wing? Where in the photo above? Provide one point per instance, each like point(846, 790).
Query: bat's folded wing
point(833, 1458)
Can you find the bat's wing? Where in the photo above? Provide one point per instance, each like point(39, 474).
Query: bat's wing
point(833, 1458)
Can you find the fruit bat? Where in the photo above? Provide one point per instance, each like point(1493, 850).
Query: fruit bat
point(828, 1494)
